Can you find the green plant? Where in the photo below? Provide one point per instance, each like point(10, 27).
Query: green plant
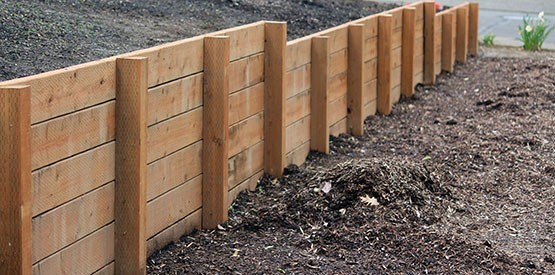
point(534, 31)
point(488, 39)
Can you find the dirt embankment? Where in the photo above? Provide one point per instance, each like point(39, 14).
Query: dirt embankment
point(39, 36)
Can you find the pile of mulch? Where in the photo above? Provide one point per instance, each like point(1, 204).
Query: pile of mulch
point(458, 179)
point(40, 36)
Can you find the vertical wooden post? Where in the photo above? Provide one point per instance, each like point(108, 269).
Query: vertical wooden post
point(409, 41)
point(130, 186)
point(215, 131)
point(274, 97)
point(319, 126)
point(385, 51)
point(448, 41)
point(15, 180)
point(429, 42)
point(473, 21)
point(462, 34)
point(355, 119)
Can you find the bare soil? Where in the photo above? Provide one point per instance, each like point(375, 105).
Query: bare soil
point(459, 179)
point(39, 36)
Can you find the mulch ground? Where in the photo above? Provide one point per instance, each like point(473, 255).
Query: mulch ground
point(459, 179)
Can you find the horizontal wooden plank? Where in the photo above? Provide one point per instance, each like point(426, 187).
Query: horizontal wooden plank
point(83, 257)
point(370, 70)
point(370, 27)
point(173, 60)
point(395, 94)
point(419, 46)
point(419, 10)
point(337, 38)
point(173, 206)
point(244, 40)
point(338, 62)
point(339, 128)
point(171, 234)
point(396, 58)
point(337, 110)
point(249, 184)
point(246, 103)
point(174, 98)
point(56, 184)
point(298, 53)
point(174, 170)
point(297, 107)
point(173, 134)
point(370, 108)
point(396, 77)
point(245, 164)
point(419, 77)
point(298, 80)
point(68, 90)
point(337, 86)
point(246, 133)
point(438, 38)
point(298, 155)
point(246, 72)
point(397, 18)
point(419, 29)
point(397, 39)
point(438, 21)
point(370, 92)
point(418, 64)
point(297, 134)
point(370, 48)
point(66, 136)
point(70, 222)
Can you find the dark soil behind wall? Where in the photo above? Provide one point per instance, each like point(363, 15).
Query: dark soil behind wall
point(459, 179)
point(38, 36)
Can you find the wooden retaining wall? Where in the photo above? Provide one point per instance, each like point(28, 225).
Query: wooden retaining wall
point(103, 163)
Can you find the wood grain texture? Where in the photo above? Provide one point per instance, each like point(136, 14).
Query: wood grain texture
point(462, 34)
point(174, 134)
point(429, 42)
point(298, 53)
point(184, 226)
point(86, 256)
point(174, 98)
point(173, 170)
point(298, 80)
point(63, 137)
point(247, 185)
point(55, 185)
point(409, 39)
point(246, 103)
point(215, 131)
point(72, 221)
point(338, 110)
point(246, 133)
point(448, 47)
point(355, 119)
point(319, 126)
point(244, 40)
point(384, 63)
point(473, 22)
point(173, 206)
point(131, 163)
point(274, 97)
point(246, 164)
point(15, 180)
point(246, 72)
point(297, 107)
point(299, 154)
point(298, 133)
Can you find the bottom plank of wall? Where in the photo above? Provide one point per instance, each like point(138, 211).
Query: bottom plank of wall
point(339, 127)
point(172, 233)
point(298, 155)
point(249, 184)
